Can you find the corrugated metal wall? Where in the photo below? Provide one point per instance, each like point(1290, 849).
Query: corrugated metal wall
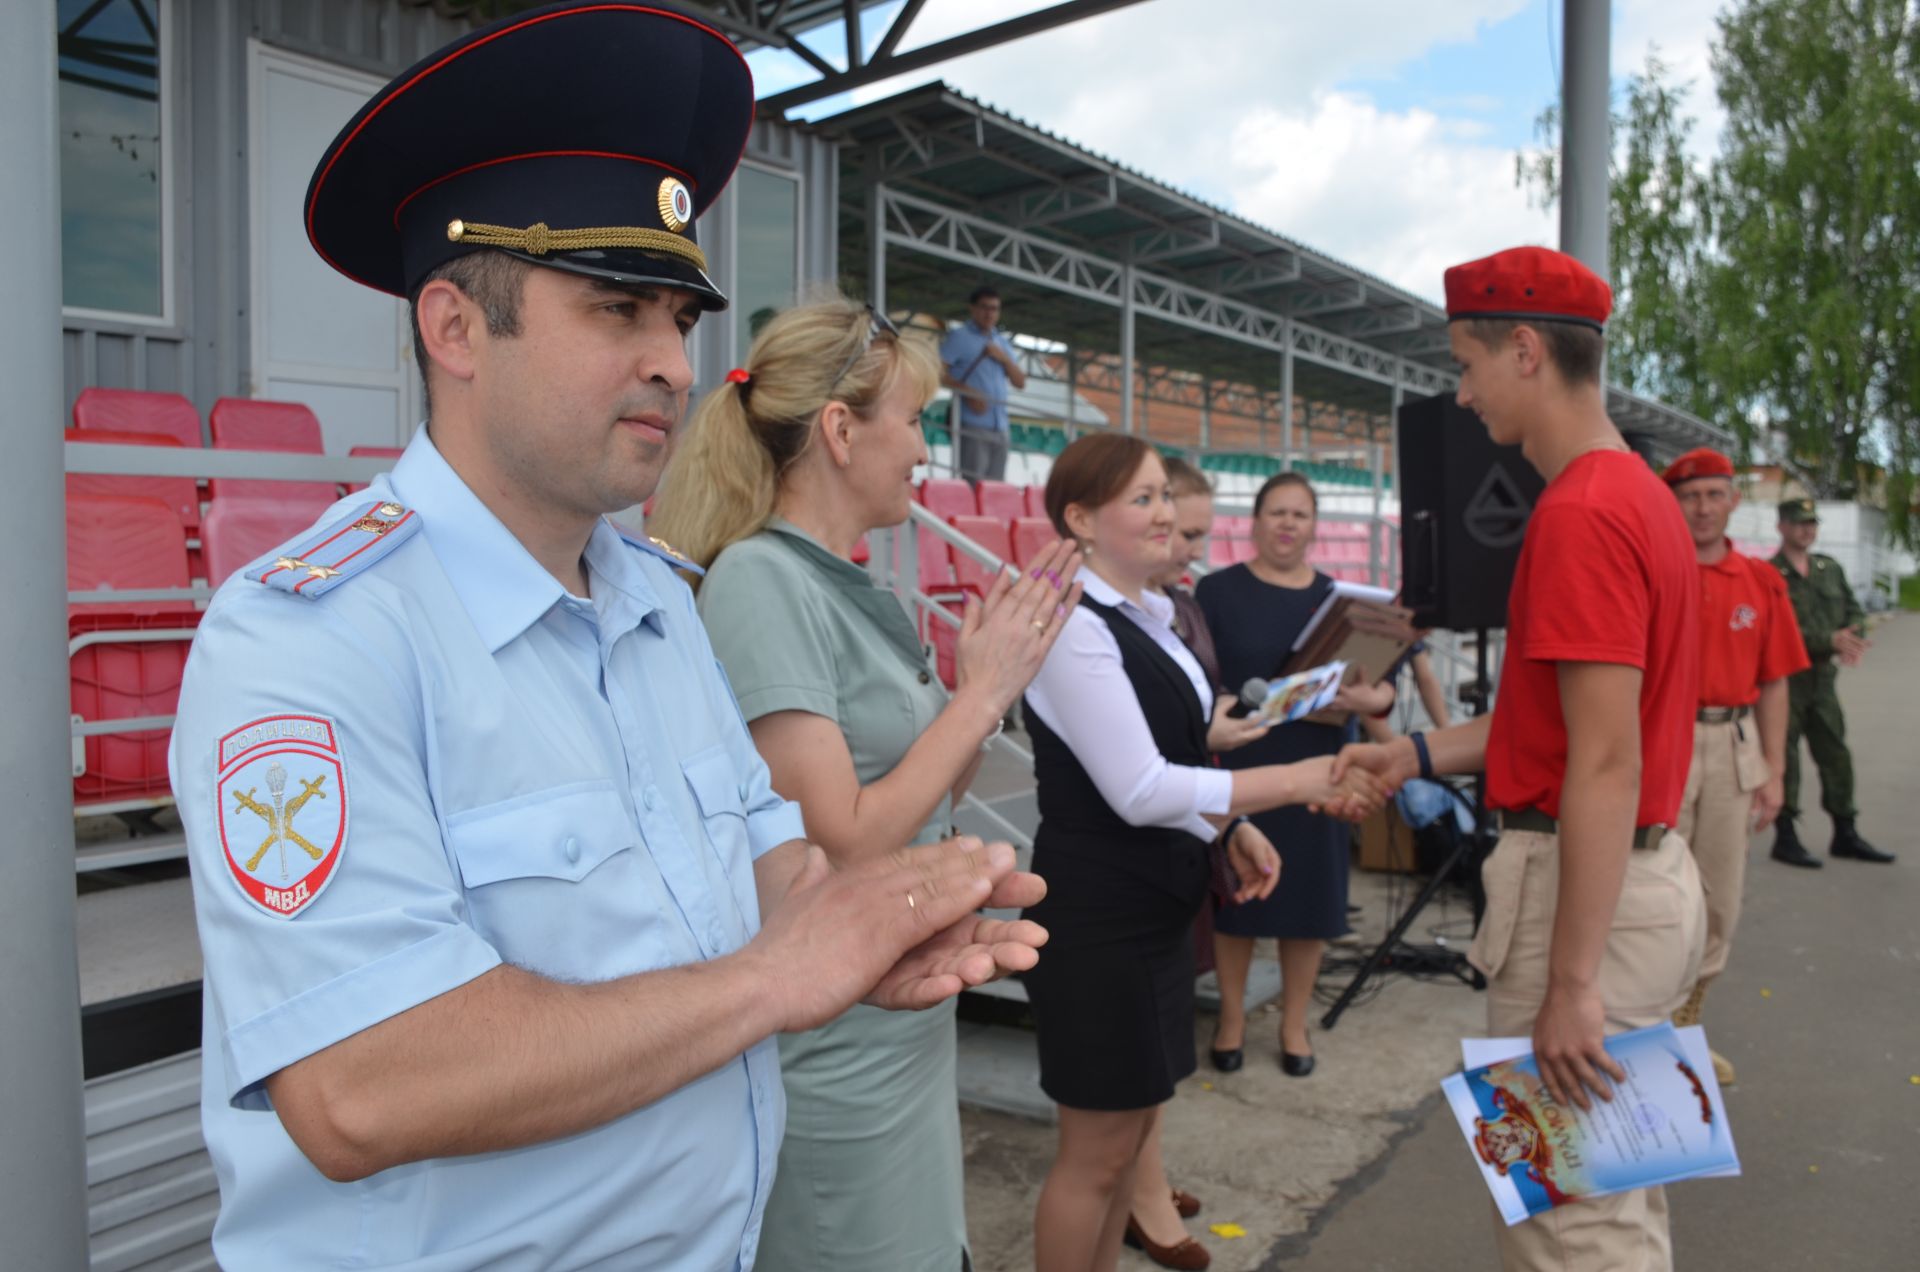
point(151, 1196)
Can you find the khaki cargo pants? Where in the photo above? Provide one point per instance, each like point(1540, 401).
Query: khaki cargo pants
point(1651, 962)
point(1716, 820)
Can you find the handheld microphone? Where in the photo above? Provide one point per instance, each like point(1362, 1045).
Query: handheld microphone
point(1253, 695)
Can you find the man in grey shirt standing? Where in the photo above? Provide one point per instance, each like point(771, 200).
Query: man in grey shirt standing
point(978, 364)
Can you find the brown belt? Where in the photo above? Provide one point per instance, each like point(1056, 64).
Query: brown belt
point(1722, 715)
point(1644, 838)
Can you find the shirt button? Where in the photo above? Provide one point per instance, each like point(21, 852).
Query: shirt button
point(926, 677)
point(652, 799)
point(572, 848)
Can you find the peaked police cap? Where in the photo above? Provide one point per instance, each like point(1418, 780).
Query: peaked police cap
point(585, 136)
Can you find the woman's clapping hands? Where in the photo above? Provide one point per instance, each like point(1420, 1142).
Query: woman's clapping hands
point(1006, 635)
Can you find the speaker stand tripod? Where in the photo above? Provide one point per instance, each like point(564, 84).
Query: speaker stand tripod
point(1395, 950)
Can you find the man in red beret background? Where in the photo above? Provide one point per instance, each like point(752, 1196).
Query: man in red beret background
point(1594, 920)
point(1749, 645)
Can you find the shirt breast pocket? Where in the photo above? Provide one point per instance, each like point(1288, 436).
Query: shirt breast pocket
point(721, 792)
point(554, 881)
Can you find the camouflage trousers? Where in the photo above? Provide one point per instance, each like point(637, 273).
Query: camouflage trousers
point(1813, 712)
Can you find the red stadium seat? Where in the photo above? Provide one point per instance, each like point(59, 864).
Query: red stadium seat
point(990, 533)
point(1030, 537)
point(1229, 534)
point(239, 528)
point(395, 452)
point(251, 424)
point(1036, 501)
point(1001, 499)
point(944, 497)
point(179, 493)
point(120, 663)
point(1243, 550)
point(139, 411)
point(946, 645)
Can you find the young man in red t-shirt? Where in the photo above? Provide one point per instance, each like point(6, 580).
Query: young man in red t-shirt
point(1594, 918)
point(1749, 645)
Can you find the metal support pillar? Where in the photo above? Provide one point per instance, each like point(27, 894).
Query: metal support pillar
point(43, 1184)
point(877, 248)
point(1073, 395)
point(1585, 127)
point(1126, 350)
point(1286, 400)
point(1206, 415)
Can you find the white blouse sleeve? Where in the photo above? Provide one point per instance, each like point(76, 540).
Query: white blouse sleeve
point(1082, 693)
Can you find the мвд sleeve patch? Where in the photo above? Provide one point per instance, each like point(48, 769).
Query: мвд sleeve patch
point(281, 809)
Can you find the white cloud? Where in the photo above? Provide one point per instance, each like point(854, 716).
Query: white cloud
point(1394, 193)
point(1683, 33)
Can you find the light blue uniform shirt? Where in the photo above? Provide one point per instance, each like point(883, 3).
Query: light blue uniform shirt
point(511, 774)
point(963, 348)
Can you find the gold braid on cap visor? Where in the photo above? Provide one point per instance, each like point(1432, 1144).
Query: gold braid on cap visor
point(538, 240)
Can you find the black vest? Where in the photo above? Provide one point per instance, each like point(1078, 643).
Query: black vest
point(1069, 801)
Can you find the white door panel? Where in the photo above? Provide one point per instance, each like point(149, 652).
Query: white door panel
point(318, 338)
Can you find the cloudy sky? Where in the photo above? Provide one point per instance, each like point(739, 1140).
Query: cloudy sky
point(1380, 131)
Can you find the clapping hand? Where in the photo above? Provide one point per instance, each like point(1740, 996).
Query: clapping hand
point(902, 931)
point(1006, 635)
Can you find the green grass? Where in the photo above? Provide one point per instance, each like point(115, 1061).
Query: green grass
point(1910, 592)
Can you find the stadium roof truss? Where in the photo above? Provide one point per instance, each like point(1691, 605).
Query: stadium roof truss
point(1092, 254)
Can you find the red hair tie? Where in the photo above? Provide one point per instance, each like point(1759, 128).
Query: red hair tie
point(739, 376)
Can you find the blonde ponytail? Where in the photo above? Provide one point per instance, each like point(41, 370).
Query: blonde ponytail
point(723, 482)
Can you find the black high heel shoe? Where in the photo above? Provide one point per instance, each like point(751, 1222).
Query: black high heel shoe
point(1295, 1066)
point(1227, 1061)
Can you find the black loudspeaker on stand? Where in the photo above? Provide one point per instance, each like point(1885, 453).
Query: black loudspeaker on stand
point(1464, 507)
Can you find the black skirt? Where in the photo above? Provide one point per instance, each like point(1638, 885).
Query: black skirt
point(1112, 994)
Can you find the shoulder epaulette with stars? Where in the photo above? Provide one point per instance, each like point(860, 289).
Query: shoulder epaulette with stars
point(658, 548)
point(330, 554)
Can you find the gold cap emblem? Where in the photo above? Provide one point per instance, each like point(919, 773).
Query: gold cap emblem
point(676, 204)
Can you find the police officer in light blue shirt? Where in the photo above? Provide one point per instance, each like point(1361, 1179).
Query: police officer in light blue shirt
point(978, 364)
point(498, 909)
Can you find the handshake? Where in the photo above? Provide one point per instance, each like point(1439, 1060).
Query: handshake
point(1361, 777)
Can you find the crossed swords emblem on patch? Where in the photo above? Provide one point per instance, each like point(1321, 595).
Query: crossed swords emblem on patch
point(280, 817)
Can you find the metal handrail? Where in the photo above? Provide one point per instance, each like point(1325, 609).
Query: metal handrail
point(119, 460)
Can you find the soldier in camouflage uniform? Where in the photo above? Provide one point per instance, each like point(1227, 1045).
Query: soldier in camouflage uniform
point(1834, 628)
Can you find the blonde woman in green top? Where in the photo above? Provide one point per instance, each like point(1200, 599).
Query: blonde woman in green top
point(785, 468)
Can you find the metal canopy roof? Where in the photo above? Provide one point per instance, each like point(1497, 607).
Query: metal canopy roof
point(1055, 225)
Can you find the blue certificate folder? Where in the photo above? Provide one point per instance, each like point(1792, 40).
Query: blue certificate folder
point(1665, 1123)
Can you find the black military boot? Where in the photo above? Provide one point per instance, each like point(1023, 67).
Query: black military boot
point(1788, 848)
point(1847, 843)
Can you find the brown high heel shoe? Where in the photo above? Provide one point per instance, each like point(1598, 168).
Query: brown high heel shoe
point(1185, 1203)
point(1188, 1255)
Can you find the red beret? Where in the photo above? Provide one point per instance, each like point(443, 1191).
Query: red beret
point(1700, 462)
point(1529, 282)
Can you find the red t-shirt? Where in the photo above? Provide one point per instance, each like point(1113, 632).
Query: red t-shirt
point(1748, 634)
point(1607, 575)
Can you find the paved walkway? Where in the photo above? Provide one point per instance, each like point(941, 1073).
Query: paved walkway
point(1357, 1169)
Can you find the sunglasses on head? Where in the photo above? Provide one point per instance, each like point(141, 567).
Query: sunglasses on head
point(878, 325)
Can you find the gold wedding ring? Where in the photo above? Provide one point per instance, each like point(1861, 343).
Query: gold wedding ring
point(910, 902)
point(1039, 624)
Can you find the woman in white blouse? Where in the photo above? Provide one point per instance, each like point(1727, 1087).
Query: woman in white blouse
point(1128, 804)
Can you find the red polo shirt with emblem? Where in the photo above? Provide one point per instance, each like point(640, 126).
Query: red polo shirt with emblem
point(1748, 634)
point(1607, 575)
